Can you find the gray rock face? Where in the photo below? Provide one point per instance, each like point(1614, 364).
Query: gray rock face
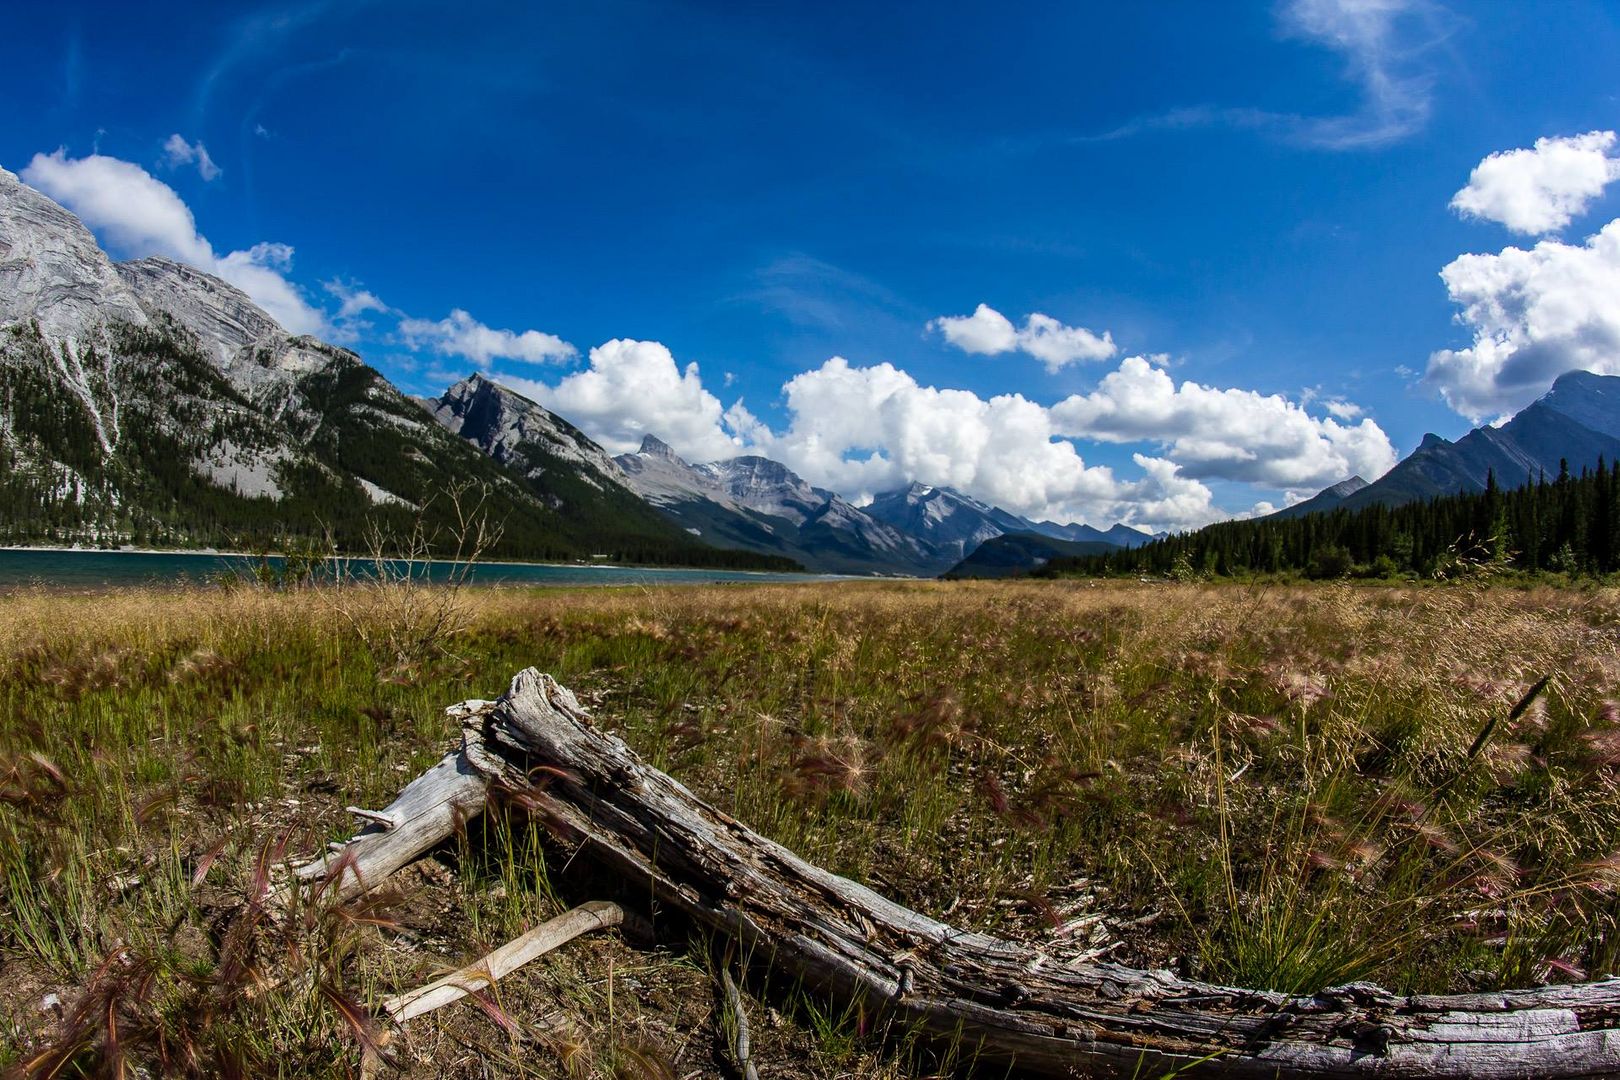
point(53, 272)
point(261, 360)
point(946, 518)
point(518, 432)
point(758, 504)
point(220, 314)
point(207, 379)
point(663, 478)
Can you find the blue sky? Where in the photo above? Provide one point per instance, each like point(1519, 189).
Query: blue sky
point(1253, 201)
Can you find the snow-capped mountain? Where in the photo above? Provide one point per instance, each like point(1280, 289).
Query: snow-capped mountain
point(761, 505)
point(957, 524)
point(952, 522)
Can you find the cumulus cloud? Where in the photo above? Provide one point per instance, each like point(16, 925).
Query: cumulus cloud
point(861, 430)
point(867, 429)
point(136, 215)
point(988, 332)
point(261, 272)
point(459, 334)
point(1534, 314)
point(1227, 434)
point(632, 389)
point(1540, 189)
point(177, 153)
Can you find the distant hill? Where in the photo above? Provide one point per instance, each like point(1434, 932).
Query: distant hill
point(1115, 535)
point(1014, 554)
point(1329, 498)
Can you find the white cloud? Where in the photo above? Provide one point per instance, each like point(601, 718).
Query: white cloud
point(1229, 434)
point(1342, 409)
point(459, 334)
point(354, 302)
point(1534, 314)
point(867, 429)
point(1539, 190)
point(354, 305)
point(988, 332)
point(136, 215)
point(1055, 345)
point(862, 430)
point(178, 152)
point(635, 388)
point(261, 272)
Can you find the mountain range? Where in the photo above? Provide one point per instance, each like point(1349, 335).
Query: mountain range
point(148, 402)
point(1573, 425)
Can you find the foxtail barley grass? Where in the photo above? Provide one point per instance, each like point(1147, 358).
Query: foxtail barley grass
point(1287, 787)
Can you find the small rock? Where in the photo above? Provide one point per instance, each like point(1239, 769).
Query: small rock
point(434, 872)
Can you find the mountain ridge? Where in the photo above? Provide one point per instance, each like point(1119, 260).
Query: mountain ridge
point(1555, 428)
point(149, 402)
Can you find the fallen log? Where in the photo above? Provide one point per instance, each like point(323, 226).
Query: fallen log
point(997, 1001)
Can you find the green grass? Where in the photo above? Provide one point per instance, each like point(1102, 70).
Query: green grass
point(1262, 786)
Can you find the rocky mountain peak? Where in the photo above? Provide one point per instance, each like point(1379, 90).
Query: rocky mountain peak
point(518, 432)
point(1588, 398)
point(1345, 488)
point(653, 446)
point(1432, 441)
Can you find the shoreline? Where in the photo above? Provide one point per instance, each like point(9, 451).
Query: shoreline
point(216, 553)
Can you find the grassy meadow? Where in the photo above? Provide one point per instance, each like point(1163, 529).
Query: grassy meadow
point(1286, 786)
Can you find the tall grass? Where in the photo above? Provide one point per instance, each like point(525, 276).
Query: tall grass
point(1288, 787)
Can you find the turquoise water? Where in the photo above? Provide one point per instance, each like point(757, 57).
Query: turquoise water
point(99, 569)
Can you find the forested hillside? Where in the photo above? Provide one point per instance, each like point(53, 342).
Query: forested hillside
point(1567, 523)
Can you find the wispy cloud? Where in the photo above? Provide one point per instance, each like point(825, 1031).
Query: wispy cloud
point(1384, 45)
point(177, 152)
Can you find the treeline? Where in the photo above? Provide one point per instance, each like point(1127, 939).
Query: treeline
point(1567, 524)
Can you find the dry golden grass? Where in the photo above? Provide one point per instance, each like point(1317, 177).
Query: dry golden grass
point(1251, 784)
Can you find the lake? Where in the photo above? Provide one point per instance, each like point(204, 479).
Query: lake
point(101, 569)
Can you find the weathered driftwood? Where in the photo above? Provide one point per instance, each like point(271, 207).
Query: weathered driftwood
point(496, 965)
point(998, 1000)
point(428, 811)
point(741, 1044)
